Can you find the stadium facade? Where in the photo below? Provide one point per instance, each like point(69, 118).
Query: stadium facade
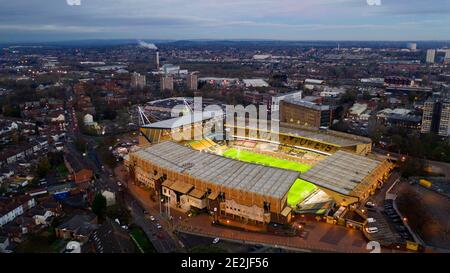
point(189, 179)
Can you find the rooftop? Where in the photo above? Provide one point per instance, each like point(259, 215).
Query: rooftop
point(180, 121)
point(308, 104)
point(322, 135)
point(258, 179)
point(341, 172)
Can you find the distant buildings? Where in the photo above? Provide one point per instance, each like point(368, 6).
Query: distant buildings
point(357, 110)
point(412, 46)
point(255, 83)
point(192, 81)
point(171, 69)
point(219, 82)
point(305, 113)
point(138, 81)
point(276, 100)
point(436, 117)
point(166, 82)
point(262, 57)
point(431, 54)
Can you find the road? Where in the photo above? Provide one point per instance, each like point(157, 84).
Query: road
point(106, 180)
point(160, 239)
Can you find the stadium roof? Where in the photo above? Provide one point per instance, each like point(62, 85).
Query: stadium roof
point(341, 172)
point(219, 170)
point(180, 121)
point(321, 135)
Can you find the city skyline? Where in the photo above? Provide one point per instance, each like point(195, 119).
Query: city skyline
point(57, 20)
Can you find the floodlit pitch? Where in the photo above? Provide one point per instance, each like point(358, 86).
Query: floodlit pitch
point(299, 190)
point(251, 157)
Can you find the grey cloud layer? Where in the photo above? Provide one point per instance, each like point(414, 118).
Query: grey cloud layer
point(202, 18)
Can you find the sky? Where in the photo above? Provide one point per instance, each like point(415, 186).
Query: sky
point(56, 20)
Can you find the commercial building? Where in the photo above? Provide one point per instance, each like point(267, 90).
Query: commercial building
point(166, 82)
point(192, 81)
point(171, 69)
point(276, 100)
point(357, 110)
point(219, 82)
point(138, 81)
point(255, 83)
point(431, 54)
point(305, 113)
point(412, 46)
point(436, 117)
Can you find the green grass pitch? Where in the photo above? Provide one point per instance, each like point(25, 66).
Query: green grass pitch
point(299, 190)
point(247, 156)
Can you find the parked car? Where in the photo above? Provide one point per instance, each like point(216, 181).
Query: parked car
point(370, 204)
point(372, 229)
point(158, 226)
point(152, 218)
point(216, 240)
point(371, 220)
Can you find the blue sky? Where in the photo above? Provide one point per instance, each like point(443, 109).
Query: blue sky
point(50, 20)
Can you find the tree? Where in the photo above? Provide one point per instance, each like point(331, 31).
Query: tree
point(99, 205)
point(81, 144)
point(109, 113)
point(413, 167)
point(349, 97)
point(43, 167)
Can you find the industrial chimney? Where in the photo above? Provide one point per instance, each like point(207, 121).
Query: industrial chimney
point(157, 59)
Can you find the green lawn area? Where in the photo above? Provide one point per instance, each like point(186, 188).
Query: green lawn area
point(247, 156)
point(141, 238)
point(299, 191)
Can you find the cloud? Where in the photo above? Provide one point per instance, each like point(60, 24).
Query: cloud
point(73, 2)
point(178, 19)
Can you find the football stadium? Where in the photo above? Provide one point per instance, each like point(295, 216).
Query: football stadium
point(251, 177)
